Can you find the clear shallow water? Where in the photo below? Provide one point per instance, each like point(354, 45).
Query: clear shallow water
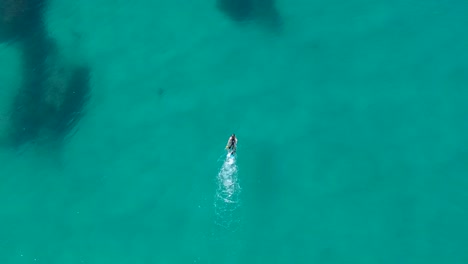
point(351, 123)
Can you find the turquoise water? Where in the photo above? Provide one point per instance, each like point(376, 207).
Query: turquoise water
point(352, 128)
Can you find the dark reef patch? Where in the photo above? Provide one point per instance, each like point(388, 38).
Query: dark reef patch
point(21, 18)
point(252, 11)
point(53, 93)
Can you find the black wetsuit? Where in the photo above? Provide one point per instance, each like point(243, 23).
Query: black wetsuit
point(232, 146)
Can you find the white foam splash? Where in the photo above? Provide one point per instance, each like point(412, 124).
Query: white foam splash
point(227, 193)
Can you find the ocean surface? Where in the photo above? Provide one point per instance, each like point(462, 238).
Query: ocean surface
point(352, 126)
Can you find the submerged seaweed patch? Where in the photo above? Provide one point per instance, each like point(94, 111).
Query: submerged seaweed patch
point(53, 94)
point(252, 11)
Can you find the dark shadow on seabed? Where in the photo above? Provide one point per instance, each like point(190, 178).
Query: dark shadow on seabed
point(53, 94)
point(262, 12)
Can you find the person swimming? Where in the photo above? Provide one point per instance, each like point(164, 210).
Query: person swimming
point(232, 144)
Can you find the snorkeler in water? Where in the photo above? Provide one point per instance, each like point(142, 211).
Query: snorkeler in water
point(232, 144)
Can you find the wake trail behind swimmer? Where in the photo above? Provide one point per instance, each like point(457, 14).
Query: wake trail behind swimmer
point(227, 194)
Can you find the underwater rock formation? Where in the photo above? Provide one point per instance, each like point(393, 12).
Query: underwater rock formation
point(259, 11)
point(53, 94)
point(20, 18)
point(50, 101)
